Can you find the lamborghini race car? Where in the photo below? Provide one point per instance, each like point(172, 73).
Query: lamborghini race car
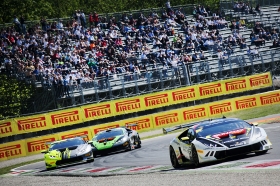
point(68, 151)
point(216, 139)
point(114, 140)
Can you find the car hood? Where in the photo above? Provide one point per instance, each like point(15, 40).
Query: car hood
point(106, 143)
point(230, 139)
point(71, 152)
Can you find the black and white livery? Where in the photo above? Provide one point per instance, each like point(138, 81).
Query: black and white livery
point(216, 139)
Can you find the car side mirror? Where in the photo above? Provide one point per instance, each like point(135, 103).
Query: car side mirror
point(185, 138)
point(255, 123)
point(44, 151)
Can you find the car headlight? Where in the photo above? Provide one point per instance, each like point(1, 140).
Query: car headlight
point(52, 156)
point(121, 140)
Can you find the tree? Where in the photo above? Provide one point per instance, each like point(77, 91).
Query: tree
point(33, 10)
point(14, 95)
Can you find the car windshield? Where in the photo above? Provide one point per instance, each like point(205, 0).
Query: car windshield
point(108, 134)
point(67, 143)
point(220, 127)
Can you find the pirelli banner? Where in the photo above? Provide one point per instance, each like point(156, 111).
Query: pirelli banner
point(35, 145)
point(134, 104)
point(181, 95)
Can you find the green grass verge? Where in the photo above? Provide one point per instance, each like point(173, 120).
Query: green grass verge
point(245, 115)
point(256, 112)
point(8, 169)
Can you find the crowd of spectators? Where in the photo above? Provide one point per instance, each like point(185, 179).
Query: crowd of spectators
point(87, 48)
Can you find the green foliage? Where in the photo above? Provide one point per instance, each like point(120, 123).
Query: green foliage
point(34, 10)
point(13, 95)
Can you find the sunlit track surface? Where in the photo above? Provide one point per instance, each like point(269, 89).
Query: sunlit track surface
point(154, 157)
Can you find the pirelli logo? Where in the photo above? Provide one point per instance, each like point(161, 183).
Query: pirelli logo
point(76, 134)
point(246, 103)
point(6, 128)
point(141, 124)
point(236, 85)
point(166, 119)
point(259, 80)
point(270, 99)
point(97, 111)
point(194, 114)
point(220, 108)
point(156, 100)
point(32, 123)
point(105, 128)
point(38, 145)
point(65, 117)
point(183, 94)
point(10, 151)
point(128, 105)
point(210, 89)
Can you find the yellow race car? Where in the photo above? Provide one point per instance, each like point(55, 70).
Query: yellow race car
point(68, 151)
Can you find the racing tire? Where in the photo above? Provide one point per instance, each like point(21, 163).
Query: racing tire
point(261, 152)
point(173, 158)
point(90, 161)
point(138, 142)
point(195, 158)
point(129, 146)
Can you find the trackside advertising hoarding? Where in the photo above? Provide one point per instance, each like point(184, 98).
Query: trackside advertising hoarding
point(144, 123)
point(140, 103)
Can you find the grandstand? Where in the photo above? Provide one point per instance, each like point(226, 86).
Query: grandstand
point(157, 74)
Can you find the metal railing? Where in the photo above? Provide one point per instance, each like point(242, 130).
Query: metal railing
point(160, 79)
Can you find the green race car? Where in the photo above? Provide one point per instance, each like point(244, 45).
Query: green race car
point(68, 151)
point(113, 140)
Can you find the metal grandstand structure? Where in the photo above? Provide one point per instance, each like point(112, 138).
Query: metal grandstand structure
point(159, 79)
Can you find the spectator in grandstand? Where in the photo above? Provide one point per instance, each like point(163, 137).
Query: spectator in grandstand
point(222, 56)
point(168, 7)
point(254, 53)
point(279, 9)
point(258, 9)
point(274, 35)
point(275, 44)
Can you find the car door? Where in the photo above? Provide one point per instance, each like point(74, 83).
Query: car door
point(186, 144)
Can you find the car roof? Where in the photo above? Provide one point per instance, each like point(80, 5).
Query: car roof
point(110, 129)
point(67, 139)
point(215, 121)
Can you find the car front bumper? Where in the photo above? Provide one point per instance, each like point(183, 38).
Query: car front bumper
point(114, 148)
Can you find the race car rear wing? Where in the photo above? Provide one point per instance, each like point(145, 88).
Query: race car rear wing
point(131, 125)
point(167, 130)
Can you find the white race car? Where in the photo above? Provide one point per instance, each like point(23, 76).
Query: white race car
point(216, 139)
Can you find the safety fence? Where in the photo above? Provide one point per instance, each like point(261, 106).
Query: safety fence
point(144, 102)
point(35, 145)
point(154, 79)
